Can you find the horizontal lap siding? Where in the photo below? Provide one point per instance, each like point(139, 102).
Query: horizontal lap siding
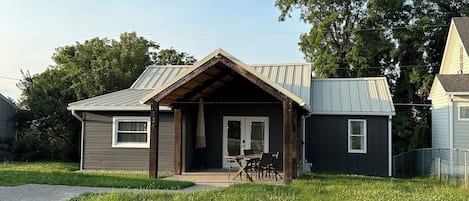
point(327, 145)
point(461, 128)
point(440, 118)
point(100, 155)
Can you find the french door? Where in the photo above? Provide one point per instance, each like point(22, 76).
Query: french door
point(242, 133)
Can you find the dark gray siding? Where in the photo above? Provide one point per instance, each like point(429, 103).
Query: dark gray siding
point(7, 119)
point(252, 102)
point(326, 145)
point(100, 155)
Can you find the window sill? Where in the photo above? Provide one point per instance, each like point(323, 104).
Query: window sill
point(131, 145)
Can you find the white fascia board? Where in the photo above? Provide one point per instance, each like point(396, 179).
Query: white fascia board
point(115, 108)
point(355, 113)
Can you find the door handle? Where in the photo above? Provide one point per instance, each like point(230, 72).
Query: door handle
point(244, 141)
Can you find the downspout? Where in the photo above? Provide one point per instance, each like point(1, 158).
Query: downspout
point(390, 146)
point(82, 135)
point(304, 162)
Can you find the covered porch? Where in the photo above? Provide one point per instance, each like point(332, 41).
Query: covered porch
point(242, 110)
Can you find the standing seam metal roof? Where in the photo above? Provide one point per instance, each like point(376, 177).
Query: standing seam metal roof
point(295, 78)
point(351, 96)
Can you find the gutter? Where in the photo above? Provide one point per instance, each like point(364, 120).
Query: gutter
point(82, 120)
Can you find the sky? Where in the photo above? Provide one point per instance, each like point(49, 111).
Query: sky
point(30, 31)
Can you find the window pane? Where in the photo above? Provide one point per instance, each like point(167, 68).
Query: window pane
point(234, 137)
point(357, 142)
point(357, 127)
point(257, 137)
point(464, 112)
point(132, 126)
point(131, 137)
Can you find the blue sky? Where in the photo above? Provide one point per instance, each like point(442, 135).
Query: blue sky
point(31, 30)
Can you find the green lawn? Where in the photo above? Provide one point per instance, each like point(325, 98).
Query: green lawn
point(312, 187)
point(13, 174)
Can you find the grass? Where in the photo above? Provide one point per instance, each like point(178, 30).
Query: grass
point(13, 174)
point(311, 187)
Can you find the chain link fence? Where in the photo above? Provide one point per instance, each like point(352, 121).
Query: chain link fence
point(445, 164)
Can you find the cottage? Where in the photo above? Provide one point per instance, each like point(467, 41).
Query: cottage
point(450, 90)
point(153, 124)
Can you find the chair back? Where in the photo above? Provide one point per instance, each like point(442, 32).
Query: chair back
point(266, 160)
point(277, 160)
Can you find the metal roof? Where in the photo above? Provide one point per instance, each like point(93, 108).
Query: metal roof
point(123, 100)
point(351, 96)
point(290, 78)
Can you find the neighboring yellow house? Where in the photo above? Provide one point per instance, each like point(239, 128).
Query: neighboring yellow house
point(450, 90)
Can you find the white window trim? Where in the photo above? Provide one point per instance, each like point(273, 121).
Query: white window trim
point(459, 111)
point(117, 119)
point(350, 150)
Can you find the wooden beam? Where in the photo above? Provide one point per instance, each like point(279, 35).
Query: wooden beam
point(254, 79)
point(177, 141)
point(154, 135)
point(294, 142)
point(287, 141)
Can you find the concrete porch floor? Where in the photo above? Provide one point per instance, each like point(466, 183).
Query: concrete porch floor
point(218, 178)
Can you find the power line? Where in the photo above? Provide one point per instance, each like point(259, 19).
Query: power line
point(9, 78)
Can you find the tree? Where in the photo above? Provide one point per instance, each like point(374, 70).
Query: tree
point(46, 130)
point(171, 56)
point(404, 39)
point(337, 45)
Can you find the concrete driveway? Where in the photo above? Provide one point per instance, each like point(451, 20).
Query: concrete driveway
point(43, 192)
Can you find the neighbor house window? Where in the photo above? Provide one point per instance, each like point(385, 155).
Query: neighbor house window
point(463, 112)
point(131, 132)
point(357, 136)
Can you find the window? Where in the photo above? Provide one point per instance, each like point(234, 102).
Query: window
point(464, 112)
point(357, 136)
point(131, 132)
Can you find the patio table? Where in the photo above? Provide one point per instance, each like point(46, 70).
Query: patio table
point(248, 159)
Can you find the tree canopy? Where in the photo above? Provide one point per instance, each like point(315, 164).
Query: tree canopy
point(46, 130)
point(401, 39)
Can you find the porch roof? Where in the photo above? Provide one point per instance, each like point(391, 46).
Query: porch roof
point(283, 80)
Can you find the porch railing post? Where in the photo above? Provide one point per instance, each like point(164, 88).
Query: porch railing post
point(154, 135)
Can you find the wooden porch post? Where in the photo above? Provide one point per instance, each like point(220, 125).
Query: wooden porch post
point(294, 142)
point(177, 141)
point(154, 135)
point(287, 142)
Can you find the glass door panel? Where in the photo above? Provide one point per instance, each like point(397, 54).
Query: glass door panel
point(257, 136)
point(234, 137)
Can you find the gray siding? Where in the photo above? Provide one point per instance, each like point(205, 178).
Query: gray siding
point(100, 155)
point(461, 128)
point(440, 117)
point(238, 91)
point(7, 121)
point(327, 148)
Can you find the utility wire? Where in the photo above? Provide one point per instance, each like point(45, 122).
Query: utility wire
point(9, 78)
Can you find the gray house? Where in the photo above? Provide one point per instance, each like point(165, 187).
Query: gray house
point(7, 115)
point(269, 107)
point(450, 91)
point(7, 127)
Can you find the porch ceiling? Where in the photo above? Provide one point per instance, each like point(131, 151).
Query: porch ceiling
point(202, 85)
